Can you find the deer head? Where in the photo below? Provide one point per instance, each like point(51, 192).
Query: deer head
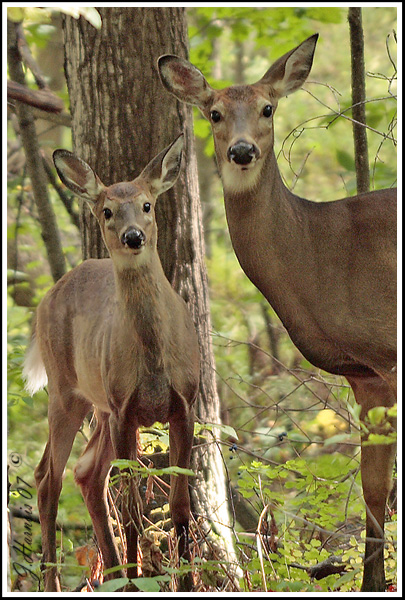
point(125, 211)
point(241, 116)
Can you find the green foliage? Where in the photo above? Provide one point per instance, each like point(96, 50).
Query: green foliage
point(311, 500)
point(17, 333)
point(226, 430)
point(113, 585)
point(259, 27)
point(136, 469)
point(150, 584)
point(35, 16)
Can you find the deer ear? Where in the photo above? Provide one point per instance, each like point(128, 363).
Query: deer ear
point(290, 71)
point(184, 80)
point(162, 171)
point(77, 175)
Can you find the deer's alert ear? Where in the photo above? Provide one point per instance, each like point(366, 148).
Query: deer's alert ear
point(290, 71)
point(184, 81)
point(162, 171)
point(77, 175)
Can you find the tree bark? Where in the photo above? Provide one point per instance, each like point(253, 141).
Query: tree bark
point(121, 117)
point(358, 100)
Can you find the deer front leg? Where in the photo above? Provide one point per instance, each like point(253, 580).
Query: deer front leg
point(63, 426)
point(124, 441)
point(91, 473)
point(376, 471)
point(181, 434)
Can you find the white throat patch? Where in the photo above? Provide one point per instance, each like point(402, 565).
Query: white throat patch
point(236, 180)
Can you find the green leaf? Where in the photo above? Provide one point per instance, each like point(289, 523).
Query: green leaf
point(225, 429)
point(113, 585)
point(377, 439)
point(118, 568)
point(392, 412)
point(355, 411)
point(344, 578)
point(339, 438)
point(246, 493)
point(135, 467)
point(312, 554)
point(377, 415)
point(149, 584)
point(346, 160)
point(28, 400)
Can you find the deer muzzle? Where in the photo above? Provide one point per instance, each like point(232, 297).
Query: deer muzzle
point(133, 238)
point(242, 152)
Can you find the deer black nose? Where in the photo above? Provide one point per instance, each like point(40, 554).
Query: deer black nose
point(242, 153)
point(133, 238)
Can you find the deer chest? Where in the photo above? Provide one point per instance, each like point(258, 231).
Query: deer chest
point(145, 396)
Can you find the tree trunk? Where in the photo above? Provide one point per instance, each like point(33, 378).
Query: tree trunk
point(359, 100)
point(121, 117)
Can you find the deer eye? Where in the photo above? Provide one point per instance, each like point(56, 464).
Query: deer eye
point(147, 207)
point(267, 111)
point(215, 116)
point(107, 213)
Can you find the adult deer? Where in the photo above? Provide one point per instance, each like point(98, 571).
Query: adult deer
point(114, 335)
point(328, 269)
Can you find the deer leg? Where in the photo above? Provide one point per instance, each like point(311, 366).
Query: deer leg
point(65, 416)
point(181, 434)
point(91, 473)
point(124, 441)
point(376, 471)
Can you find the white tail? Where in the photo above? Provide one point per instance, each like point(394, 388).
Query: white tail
point(112, 334)
point(328, 268)
point(34, 373)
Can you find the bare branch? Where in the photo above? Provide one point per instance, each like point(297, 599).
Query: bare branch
point(43, 99)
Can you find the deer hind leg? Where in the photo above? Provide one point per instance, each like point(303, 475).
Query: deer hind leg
point(376, 471)
point(91, 473)
point(181, 434)
point(124, 441)
point(65, 416)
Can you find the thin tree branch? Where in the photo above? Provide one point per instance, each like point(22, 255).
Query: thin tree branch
point(35, 168)
point(66, 200)
point(43, 99)
point(359, 97)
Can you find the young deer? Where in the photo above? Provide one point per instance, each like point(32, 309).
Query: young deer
point(327, 268)
point(113, 334)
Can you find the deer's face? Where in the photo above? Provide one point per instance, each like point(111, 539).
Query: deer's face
point(125, 211)
point(126, 214)
point(241, 118)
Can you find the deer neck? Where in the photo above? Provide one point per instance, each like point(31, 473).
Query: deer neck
point(265, 221)
point(140, 309)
